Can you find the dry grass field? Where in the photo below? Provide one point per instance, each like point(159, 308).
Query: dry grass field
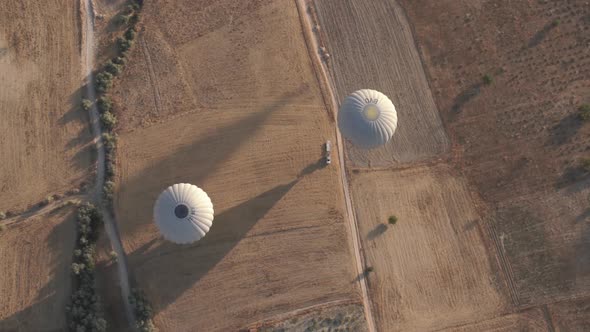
point(431, 269)
point(35, 279)
point(371, 46)
point(521, 138)
point(215, 98)
point(44, 145)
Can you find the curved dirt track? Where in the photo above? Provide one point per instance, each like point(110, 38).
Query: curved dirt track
point(109, 223)
point(349, 207)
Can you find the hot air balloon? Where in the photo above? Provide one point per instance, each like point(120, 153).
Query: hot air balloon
point(367, 118)
point(183, 213)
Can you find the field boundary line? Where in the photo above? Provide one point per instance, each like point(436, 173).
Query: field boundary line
point(311, 43)
point(152, 73)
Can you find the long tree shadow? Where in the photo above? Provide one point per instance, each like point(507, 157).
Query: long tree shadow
point(464, 97)
point(376, 232)
point(228, 229)
point(541, 34)
point(565, 130)
point(192, 163)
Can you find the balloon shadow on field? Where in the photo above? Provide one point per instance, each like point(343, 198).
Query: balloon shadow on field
point(205, 155)
point(228, 229)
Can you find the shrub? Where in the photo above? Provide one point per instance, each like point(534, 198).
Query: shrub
point(392, 220)
point(488, 79)
point(369, 269)
point(556, 22)
point(109, 141)
point(108, 120)
point(104, 81)
point(77, 268)
point(121, 19)
point(86, 104)
point(113, 255)
point(123, 44)
point(104, 104)
point(130, 34)
point(48, 200)
point(108, 190)
point(584, 112)
point(585, 164)
point(143, 311)
point(2, 227)
point(112, 68)
point(2, 215)
point(119, 60)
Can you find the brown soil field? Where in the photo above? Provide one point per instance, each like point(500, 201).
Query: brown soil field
point(214, 98)
point(35, 279)
point(529, 321)
point(371, 46)
point(45, 143)
point(431, 269)
point(520, 137)
point(571, 315)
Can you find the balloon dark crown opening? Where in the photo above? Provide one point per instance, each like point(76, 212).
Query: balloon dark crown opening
point(181, 211)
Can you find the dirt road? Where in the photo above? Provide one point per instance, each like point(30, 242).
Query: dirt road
point(110, 226)
point(313, 45)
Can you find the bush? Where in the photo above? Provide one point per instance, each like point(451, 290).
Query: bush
point(104, 81)
point(112, 68)
point(2, 227)
point(119, 60)
point(121, 19)
point(108, 190)
point(113, 255)
point(369, 269)
point(392, 220)
point(77, 268)
point(48, 200)
point(488, 79)
point(108, 120)
point(2, 215)
point(143, 311)
point(130, 34)
point(104, 104)
point(585, 164)
point(556, 22)
point(109, 141)
point(86, 104)
point(123, 44)
point(584, 112)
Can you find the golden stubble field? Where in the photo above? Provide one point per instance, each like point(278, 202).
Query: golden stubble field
point(371, 47)
point(233, 106)
point(35, 280)
point(45, 141)
point(432, 268)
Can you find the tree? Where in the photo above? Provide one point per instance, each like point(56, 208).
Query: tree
point(108, 120)
point(392, 220)
point(488, 79)
point(112, 68)
point(123, 44)
point(104, 104)
point(104, 81)
point(130, 34)
point(86, 104)
point(2, 215)
point(585, 164)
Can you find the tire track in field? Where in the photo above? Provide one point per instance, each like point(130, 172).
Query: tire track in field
point(504, 263)
point(152, 74)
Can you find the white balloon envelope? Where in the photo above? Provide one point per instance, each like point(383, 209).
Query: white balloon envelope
point(367, 118)
point(183, 213)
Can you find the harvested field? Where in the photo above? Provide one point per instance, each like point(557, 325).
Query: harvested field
point(371, 46)
point(44, 145)
point(431, 269)
point(35, 279)
point(521, 137)
point(531, 321)
point(246, 122)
